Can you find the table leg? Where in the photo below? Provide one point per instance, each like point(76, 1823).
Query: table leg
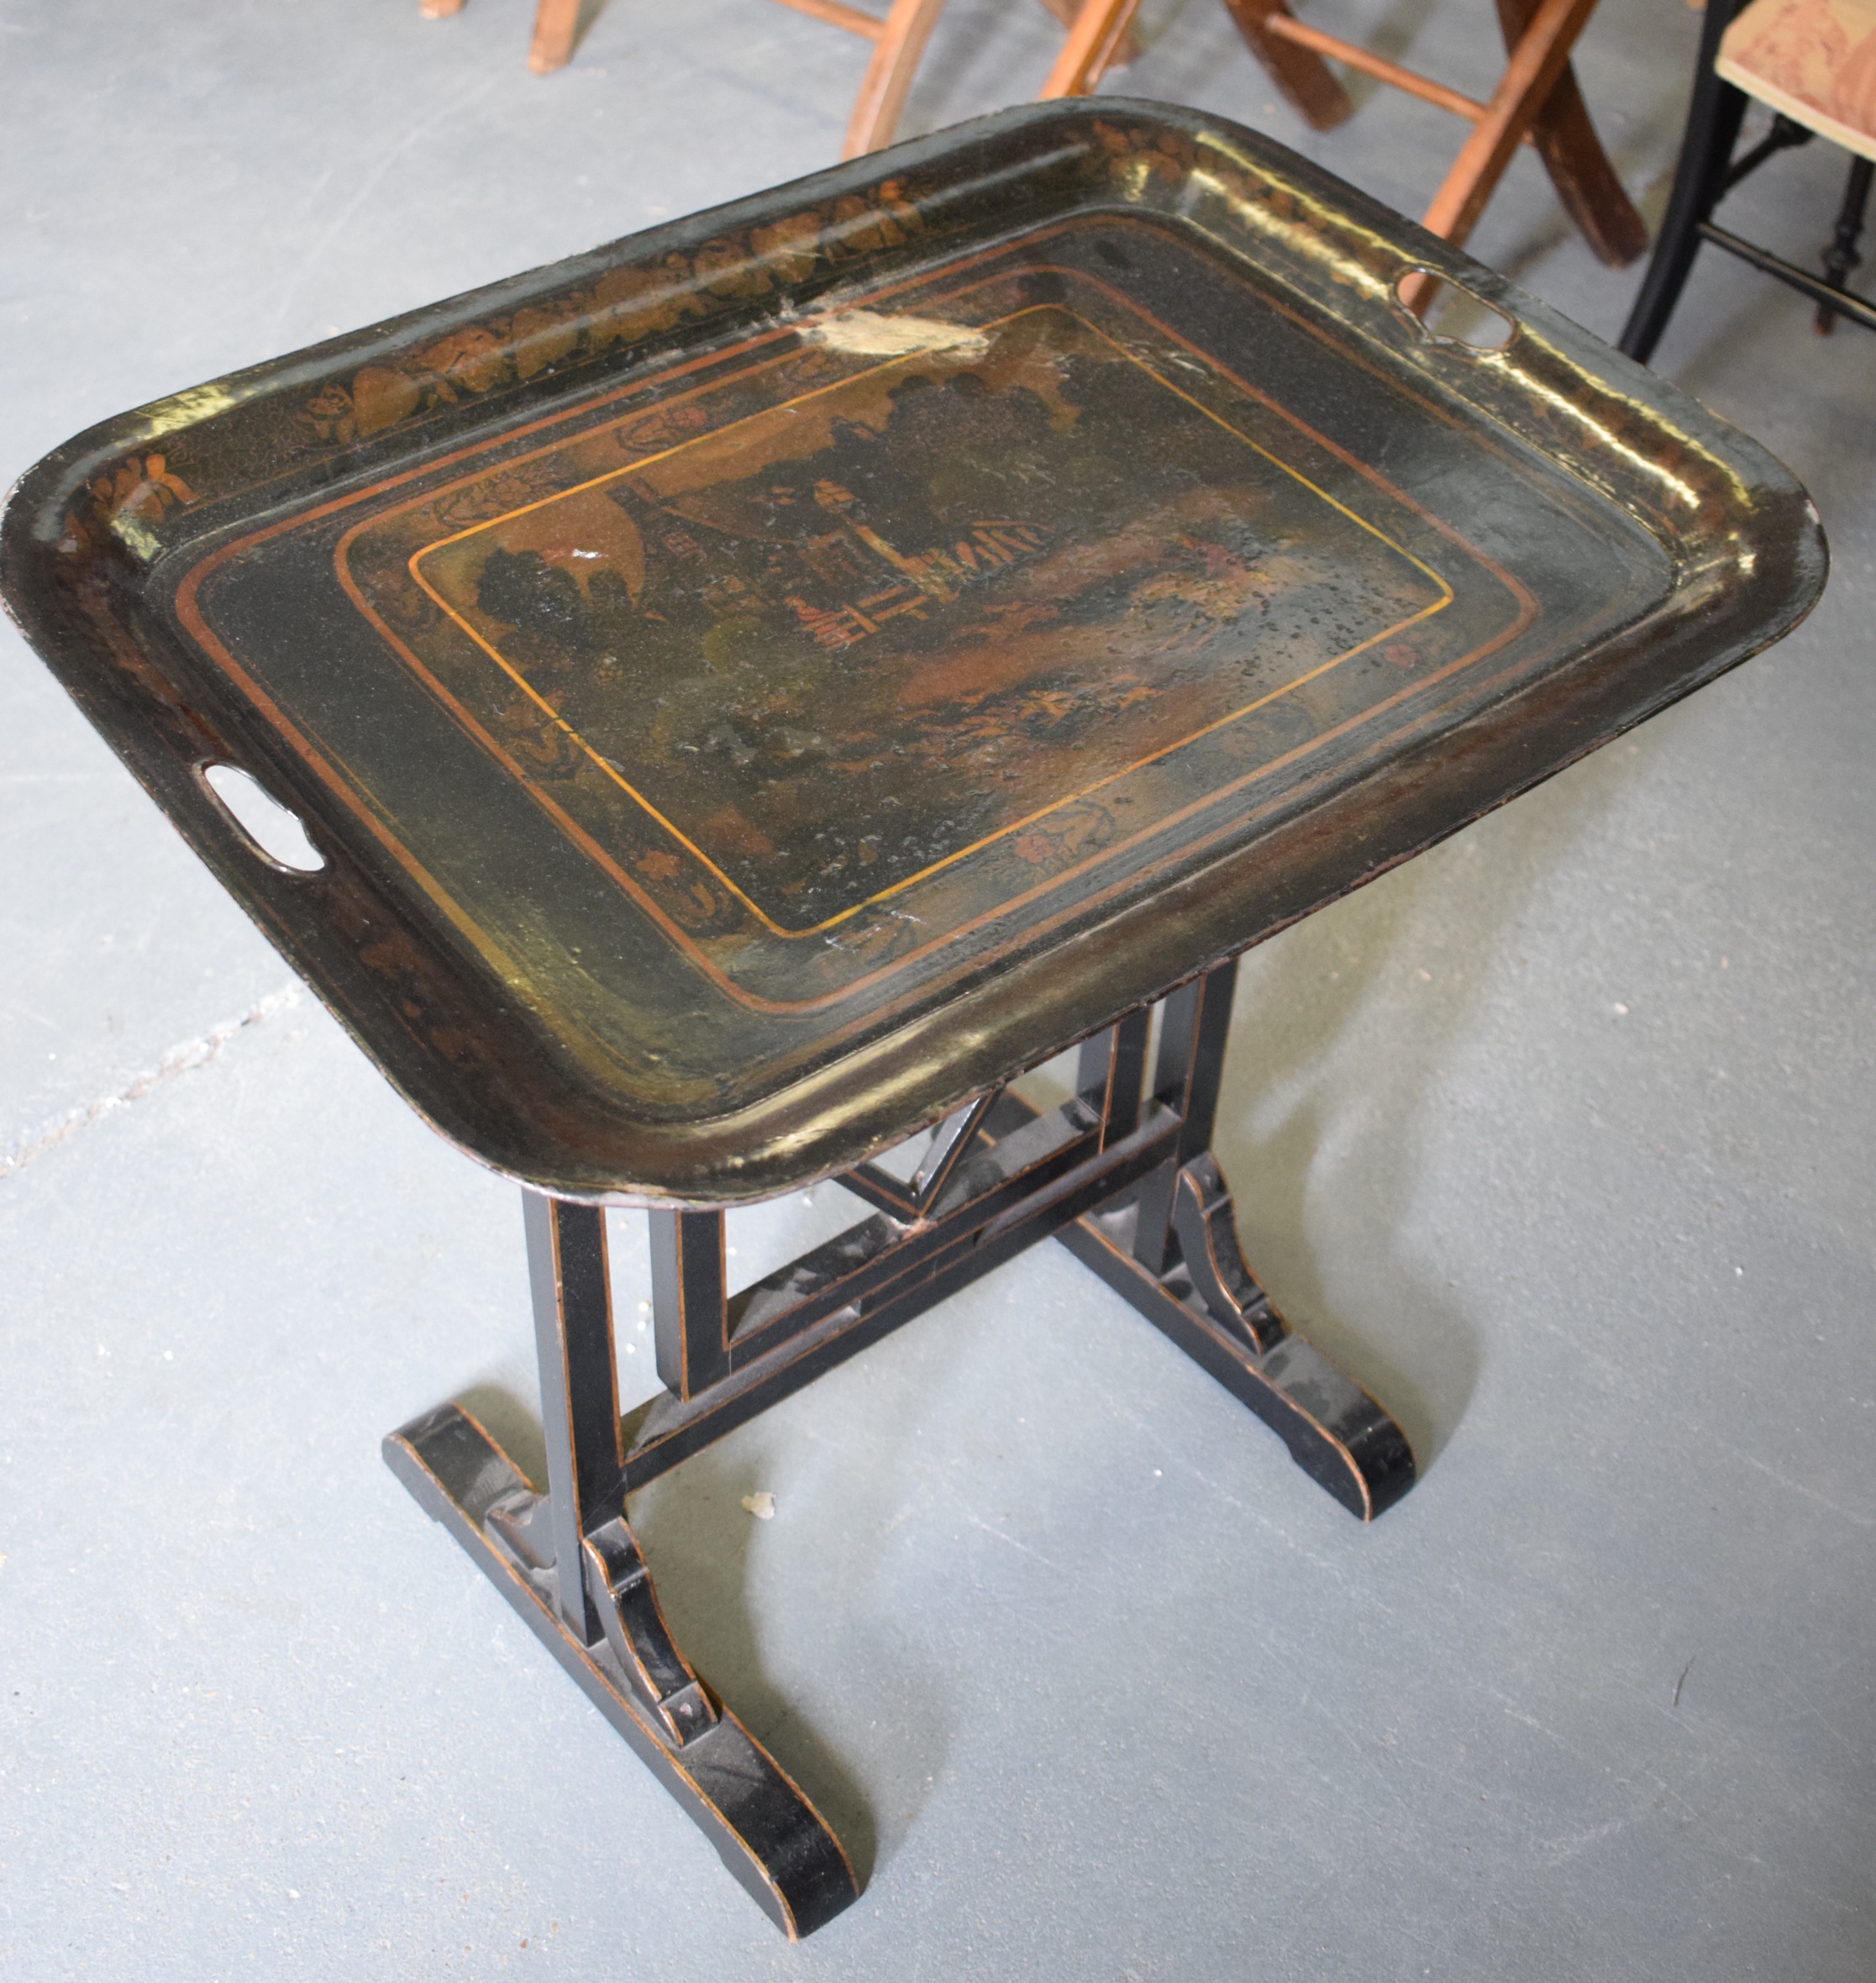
point(1171, 1250)
point(1090, 49)
point(568, 1562)
point(1126, 48)
point(1125, 1178)
point(552, 45)
point(887, 82)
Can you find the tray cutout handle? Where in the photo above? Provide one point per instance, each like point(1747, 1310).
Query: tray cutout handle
point(1450, 313)
point(275, 832)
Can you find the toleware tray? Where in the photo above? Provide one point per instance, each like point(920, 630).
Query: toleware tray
point(755, 685)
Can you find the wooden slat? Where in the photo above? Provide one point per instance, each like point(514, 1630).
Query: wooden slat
point(1089, 51)
point(836, 15)
point(1352, 56)
point(1536, 64)
point(882, 92)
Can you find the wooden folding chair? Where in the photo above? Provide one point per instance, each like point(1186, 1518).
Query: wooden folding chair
point(1099, 40)
point(1537, 101)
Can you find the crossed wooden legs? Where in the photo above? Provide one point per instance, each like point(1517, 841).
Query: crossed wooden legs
point(1523, 103)
point(1572, 154)
point(1098, 38)
point(1537, 101)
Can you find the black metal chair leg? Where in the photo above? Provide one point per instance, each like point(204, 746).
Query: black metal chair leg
point(1713, 119)
point(1842, 256)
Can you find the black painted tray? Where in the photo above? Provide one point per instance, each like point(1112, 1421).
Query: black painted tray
point(755, 685)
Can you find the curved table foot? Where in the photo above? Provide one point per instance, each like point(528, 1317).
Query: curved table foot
point(765, 1829)
point(1209, 1302)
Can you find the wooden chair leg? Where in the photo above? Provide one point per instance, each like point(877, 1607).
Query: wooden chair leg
point(1302, 78)
point(1713, 120)
point(555, 22)
point(1529, 77)
point(1572, 154)
point(1088, 53)
point(882, 92)
point(1126, 49)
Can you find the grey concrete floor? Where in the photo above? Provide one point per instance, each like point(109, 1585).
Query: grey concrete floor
point(1560, 1137)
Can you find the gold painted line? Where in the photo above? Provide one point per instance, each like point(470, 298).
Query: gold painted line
point(756, 1001)
point(415, 562)
point(350, 796)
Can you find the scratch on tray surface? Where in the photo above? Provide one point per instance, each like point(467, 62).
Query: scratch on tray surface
point(185, 1059)
point(871, 333)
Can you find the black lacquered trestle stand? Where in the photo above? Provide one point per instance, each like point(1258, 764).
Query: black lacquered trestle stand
point(1124, 1178)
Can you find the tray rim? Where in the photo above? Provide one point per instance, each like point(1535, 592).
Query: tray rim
point(804, 1131)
